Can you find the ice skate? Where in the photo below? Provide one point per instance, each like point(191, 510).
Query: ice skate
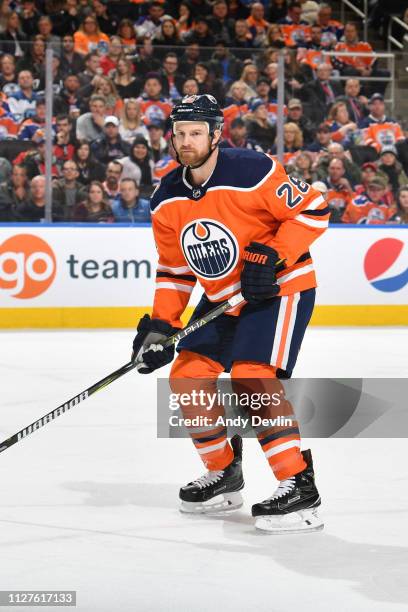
point(293, 506)
point(216, 491)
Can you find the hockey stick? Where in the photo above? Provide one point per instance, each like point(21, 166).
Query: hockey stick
point(235, 300)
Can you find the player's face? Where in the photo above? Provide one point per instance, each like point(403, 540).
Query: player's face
point(191, 140)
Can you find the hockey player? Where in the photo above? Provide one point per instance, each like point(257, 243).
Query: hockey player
point(233, 220)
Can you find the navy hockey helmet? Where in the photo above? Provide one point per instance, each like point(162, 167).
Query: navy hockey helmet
point(199, 108)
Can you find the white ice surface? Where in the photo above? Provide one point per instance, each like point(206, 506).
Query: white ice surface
point(89, 502)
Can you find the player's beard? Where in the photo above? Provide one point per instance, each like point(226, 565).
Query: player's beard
point(192, 157)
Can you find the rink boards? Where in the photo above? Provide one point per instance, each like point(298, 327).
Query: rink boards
point(104, 275)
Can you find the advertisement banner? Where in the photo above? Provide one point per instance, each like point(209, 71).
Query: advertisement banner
point(53, 276)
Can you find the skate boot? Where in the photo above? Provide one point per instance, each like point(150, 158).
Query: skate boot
point(293, 506)
point(216, 491)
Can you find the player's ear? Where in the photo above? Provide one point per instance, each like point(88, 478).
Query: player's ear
point(216, 136)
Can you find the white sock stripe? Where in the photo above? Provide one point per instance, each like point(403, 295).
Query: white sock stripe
point(275, 450)
point(176, 286)
point(291, 327)
point(278, 330)
point(210, 449)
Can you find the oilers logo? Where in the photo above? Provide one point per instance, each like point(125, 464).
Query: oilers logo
point(210, 248)
point(385, 265)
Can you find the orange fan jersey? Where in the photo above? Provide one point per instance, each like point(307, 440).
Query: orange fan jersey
point(362, 210)
point(357, 61)
point(201, 231)
point(295, 35)
point(381, 135)
point(155, 110)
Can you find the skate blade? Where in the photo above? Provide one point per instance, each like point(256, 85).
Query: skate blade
point(303, 521)
point(220, 504)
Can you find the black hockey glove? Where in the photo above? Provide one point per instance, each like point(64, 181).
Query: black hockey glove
point(148, 350)
point(258, 277)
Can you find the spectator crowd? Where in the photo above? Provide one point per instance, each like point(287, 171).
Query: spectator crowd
point(119, 67)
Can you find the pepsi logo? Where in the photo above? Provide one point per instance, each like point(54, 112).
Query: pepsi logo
point(385, 265)
point(210, 248)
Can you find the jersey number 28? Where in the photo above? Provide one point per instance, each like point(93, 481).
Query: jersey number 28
point(286, 190)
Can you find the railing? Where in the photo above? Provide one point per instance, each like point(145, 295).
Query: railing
point(363, 14)
point(391, 67)
point(390, 38)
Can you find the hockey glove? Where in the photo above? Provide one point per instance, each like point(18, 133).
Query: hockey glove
point(258, 277)
point(148, 350)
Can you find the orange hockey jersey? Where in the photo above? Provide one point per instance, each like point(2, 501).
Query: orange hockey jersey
point(201, 231)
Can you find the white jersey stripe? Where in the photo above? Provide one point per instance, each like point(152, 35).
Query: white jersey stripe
point(315, 203)
point(291, 327)
point(179, 270)
point(226, 291)
point(176, 286)
point(278, 330)
point(312, 222)
point(275, 450)
point(291, 275)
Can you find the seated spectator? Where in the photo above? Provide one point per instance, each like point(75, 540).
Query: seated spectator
point(250, 75)
point(321, 93)
point(224, 64)
point(332, 30)
point(322, 141)
point(342, 129)
point(68, 192)
point(33, 209)
point(127, 35)
point(138, 165)
point(153, 104)
point(370, 209)
point(208, 83)
point(105, 87)
point(34, 58)
point(356, 103)
point(296, 31)
point(111, 183)
point(200, 33)
point(89, 37)
point(37, 122)
point(236, 101)
point(340, 192)
point(167, 36)
point(13, 39)
point(278, 9)
point(107, 21)
point(90, 125)
point(260, 129)
point(8, 73)
point(71, 61)
point(242, 39)
point(109, 61)
point(13, 194)
point(110, 145)
point(184, 22)
point(171, 78)
point(296, 115)
point(92, 62)
point(189, 59)
point(45, 29)
point(131, 124)
point(34, 159)
point(89, 169)
point(401, 215)
point(165, 165)
point(65, 140)
point(95, 208)
point(128, 207)
point(157, 143)
point(274, 37)
point(292, 142)
point(380, 130)
point(29, 17)
point(390, 166)
point(221, 25)
point(238, 137)
point(25, 98)
point(301, 167)
point(190, 87)
point(126, 83)
point(310, 11)
point(145, 62)
point(335, 149)
point(149, 24)
point(296, 74)
point(357, 65)
point(68, 100)
point(258, 26)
